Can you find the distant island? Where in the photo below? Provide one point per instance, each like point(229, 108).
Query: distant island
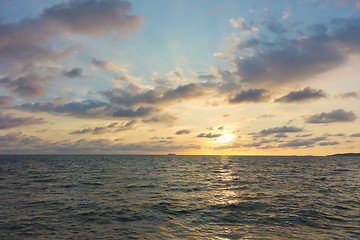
point(345, 154)
point(171, 154)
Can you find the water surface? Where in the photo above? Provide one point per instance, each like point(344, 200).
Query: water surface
point(179, 197)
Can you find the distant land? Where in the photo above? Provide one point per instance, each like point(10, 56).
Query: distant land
point(345, 154)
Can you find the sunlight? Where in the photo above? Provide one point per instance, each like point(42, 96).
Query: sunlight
point(224, 138)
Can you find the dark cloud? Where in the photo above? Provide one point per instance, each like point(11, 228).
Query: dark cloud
point(329, 143)
point(355, 135)
point(208, 77)
point(283, 129)
point(105, 129)
point(83, 131)
point(6, 100)
point(275, 27)
point(296, 60)
point(98, 63)
point(181, 132)
point(18, 142)
point(305, 135)
point(305, 95)
point(134, 95)
point(291, 60)
point(251, 95)
point(29, 86)
point(86, 109)
point(161, 119)
point(209, 135)
point(93, 17)
point(307, 143)
point(89, 109)
point(298, 143)
point(8, 121)
point(100, 130)
point(126, 126)
point(133, 112)
point(281, 135)
point(338, 115)
point(337, 135)
point(73, 73)
point(350, 95)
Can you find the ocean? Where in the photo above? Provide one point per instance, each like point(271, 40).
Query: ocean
point(179, 197)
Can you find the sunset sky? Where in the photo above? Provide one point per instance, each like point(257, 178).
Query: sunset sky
point(187, 77)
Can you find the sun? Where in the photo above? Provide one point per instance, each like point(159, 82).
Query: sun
point(224, 138)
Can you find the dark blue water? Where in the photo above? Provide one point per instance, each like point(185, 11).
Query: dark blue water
point(179, 197)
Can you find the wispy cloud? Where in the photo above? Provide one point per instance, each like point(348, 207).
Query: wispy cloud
point(8, 121)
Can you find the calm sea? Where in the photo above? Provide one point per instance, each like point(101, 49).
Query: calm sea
point(179, 197)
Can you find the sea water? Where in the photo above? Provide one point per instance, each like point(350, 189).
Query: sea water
point(179, 197)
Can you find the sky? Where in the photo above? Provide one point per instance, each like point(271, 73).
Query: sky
point(231, 77)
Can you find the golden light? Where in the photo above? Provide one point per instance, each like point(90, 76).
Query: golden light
point(225, 138)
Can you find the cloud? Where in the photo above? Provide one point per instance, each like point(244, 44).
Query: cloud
point(162, 119)
point(134, 95)
point(283, 129)
point(83, 131)
point(30, 86)
point(177, 76)
point(21, 143)
point(18, 142)
point(242, 25)
point(329, 143)
point(6, 100)
point(105, 129)
point(275, 27)
point(207, 77)
point(338, 115)
point(285, 14)
point(27, 57)
point(126, 126)
point(97, 63)
point(182, 132)
point(85, 109)
point(286, 60)
point(251, 95)
point(266, 116)
point(355, 135)
point(305, 95)
point(73, 73)
point(209, 135)
point(133, 112)
point(350, 95)
point(298, 143)
point(281, 135)
point(8, 121)
point(89, 109)
point(94, 18)
point(229, 146)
